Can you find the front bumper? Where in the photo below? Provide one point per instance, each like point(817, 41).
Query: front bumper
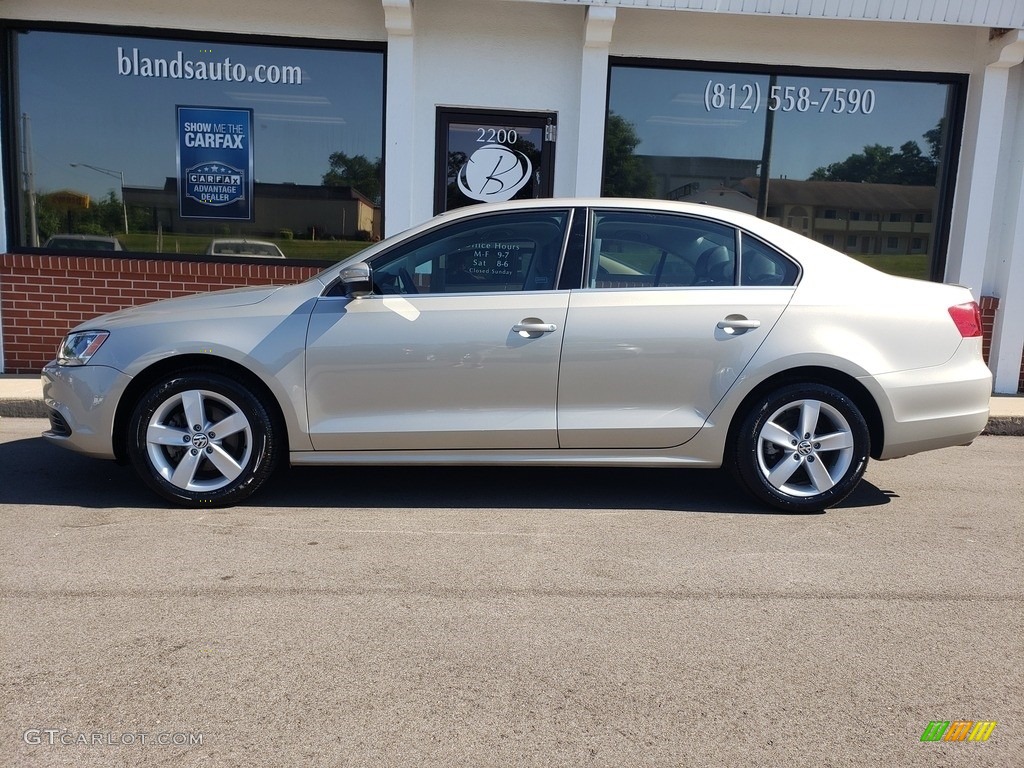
point(82, 401)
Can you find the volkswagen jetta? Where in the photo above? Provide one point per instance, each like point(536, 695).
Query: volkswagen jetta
point(552, 332)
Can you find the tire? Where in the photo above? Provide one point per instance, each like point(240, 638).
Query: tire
point(201, 439)
point(803, 448)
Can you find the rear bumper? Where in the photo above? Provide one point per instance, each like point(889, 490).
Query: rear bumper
point(936, 407)
point(82, 401)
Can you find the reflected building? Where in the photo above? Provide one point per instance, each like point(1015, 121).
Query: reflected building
point(306, 210)
point(853, 217)
point(711, 180)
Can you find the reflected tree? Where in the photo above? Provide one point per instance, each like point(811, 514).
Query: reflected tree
point(455, 162)
point(878, 164)
point(356, 171)
point(99, 217)
point(625, 174)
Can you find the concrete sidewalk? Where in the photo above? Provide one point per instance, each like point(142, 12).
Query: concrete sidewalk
point(22, 396)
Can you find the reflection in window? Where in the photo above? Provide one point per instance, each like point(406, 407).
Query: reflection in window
point(98, 114)
point(636, 249)
point(651, 250)
point(763, 265)
point(839, 158)
point(509, 252)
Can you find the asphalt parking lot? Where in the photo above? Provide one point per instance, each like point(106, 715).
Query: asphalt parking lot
point(535, 617)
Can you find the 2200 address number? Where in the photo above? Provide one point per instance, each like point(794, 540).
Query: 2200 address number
point(788, 98)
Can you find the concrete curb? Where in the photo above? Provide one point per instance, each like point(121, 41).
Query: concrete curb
point(23, 408)
point(1005, 425)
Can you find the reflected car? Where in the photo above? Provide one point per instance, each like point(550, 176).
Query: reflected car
point(242, 247)
point(83, 243)
point(592, 332)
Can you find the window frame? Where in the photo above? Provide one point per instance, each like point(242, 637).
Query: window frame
point(739, 236)
point(445, 116)
point(956, 112)
point(10, 169)
point(406, 247)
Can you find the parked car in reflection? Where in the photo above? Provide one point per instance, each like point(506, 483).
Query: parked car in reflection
point(592, 332)
point(243, 247)
point(83, 243)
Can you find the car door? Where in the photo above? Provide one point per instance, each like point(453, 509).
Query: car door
point(457, 349)
point(663, 327)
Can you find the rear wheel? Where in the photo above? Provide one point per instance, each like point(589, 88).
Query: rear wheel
point(202, 439)
point(803, 448)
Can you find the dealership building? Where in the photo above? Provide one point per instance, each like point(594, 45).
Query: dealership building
point(890, 130)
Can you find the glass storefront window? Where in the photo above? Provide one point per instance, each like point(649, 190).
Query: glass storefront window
point(175, 146)
point(858, 163)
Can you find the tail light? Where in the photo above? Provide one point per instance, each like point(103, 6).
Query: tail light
point(967, 318)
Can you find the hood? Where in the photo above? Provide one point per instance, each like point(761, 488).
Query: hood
point(183, 305)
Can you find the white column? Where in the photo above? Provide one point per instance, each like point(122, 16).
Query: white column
point(970, 247)
point(593, 96)
point(1008, 280)
point(398, 113)
point(1008, 333)
point(986, 250)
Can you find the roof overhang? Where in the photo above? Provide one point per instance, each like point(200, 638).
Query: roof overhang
point(998, 14)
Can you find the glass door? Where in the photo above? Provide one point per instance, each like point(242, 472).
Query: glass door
point(492, 156)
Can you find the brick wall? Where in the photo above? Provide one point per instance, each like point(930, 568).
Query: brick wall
point(989, 306)
point(41, 297)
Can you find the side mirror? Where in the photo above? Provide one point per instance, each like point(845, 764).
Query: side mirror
point(358, 280)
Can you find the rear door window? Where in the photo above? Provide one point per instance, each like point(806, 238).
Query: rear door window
point(637, 249)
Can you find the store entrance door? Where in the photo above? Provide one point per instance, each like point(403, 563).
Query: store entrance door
point(492, 156)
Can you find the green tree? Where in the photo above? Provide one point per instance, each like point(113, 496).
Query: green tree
point(884, 165)
point(934, 139)
point(356, 171)
point(49, 220)
point(625, 174)
point(103, 217)
point(107, 215)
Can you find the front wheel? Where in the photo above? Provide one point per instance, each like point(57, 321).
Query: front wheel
point(803, 448)
point(202, 439)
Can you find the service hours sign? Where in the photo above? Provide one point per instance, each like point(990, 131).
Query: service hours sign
point(215, 163)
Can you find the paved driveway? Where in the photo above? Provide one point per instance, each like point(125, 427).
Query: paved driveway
point(509, 617)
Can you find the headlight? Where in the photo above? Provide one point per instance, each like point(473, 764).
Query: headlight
point(78, 348)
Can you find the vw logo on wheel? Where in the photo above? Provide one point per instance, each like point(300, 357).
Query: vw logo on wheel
point(200, 440)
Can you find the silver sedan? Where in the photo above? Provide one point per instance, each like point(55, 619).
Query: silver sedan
point(552, 332)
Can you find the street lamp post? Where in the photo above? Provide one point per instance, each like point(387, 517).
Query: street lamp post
point(116, 175)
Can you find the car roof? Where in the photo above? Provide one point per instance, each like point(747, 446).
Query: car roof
point(241, 243)
point(97, 238)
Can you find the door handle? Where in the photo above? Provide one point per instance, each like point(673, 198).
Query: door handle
point(532, 327)
point(737, 324)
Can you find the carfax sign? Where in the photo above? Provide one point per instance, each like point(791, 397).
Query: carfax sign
point(215, 163)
